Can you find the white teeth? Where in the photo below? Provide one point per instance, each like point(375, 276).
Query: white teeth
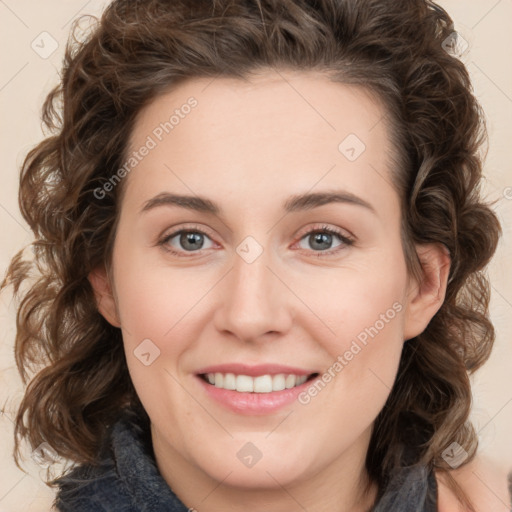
point(278, 382)
point(229, 381)
point(244, 383)
point(301, 380)
point(290, 381)
point(261, 384)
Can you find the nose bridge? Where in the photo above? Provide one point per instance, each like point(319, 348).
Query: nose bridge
point(254, 300)
point(251, 275)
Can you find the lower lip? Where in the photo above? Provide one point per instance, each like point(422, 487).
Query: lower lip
point(254, 403)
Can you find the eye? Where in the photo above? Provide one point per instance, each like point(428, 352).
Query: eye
point(321, 239)
point(184, 240)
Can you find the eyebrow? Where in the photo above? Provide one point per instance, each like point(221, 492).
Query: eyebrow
point(295, 203)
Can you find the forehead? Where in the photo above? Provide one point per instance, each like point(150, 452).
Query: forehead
point(284, 129)
point(305, 103)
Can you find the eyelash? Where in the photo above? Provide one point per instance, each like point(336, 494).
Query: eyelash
point(347, 241)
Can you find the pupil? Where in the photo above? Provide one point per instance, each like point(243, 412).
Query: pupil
point(322, 238)
point(194, 239)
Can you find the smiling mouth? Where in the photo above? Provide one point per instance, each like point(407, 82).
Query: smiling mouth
point(260, 384)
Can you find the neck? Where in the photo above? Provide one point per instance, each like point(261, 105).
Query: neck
point(340, 486)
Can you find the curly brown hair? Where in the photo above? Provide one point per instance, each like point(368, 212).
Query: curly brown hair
point(73, 359)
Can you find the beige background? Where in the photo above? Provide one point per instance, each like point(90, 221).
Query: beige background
point(28, 73)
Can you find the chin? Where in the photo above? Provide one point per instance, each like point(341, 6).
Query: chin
point(252, 468)
point(272, 475)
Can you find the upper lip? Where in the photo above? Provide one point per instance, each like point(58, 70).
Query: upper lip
point(254, 370)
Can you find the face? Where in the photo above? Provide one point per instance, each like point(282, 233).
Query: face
point(262, 328)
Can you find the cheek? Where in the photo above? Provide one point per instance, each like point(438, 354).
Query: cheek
point(364, 308)
point(153, 301)
point(358, 304)
point(155, 310)
point(367, 318)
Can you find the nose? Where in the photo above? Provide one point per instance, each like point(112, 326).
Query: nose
point(254, 304)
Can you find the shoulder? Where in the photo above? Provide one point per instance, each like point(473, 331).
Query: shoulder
point(483, 481)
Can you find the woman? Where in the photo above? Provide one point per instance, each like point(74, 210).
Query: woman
point(203, 348)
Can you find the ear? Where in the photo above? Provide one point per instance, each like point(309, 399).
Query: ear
point(105, 300)
point(426, 298)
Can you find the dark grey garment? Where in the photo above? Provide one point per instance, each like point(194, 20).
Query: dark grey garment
point(411, 489)
point(128, 480)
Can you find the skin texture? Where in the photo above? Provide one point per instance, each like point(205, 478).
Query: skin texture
point(249, 146)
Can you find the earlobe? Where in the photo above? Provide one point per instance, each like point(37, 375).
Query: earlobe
point(426, 297)
point(105, 300)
